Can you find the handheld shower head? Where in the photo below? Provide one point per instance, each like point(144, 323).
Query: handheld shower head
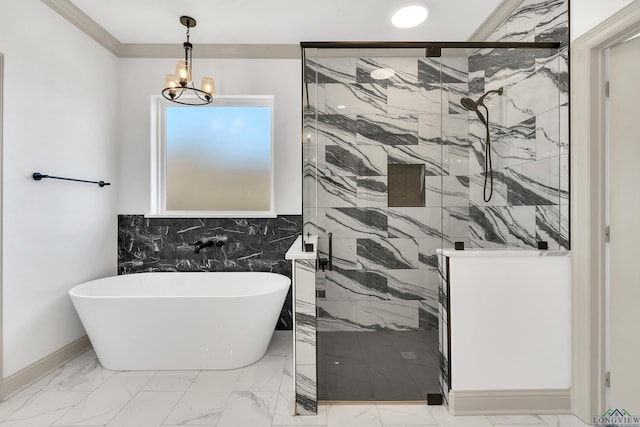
point(472, 105)
point(469, 104)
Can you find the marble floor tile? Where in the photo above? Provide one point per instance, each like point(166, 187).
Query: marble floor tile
point(22, 398)
point(408, 425)
point(108, 399)
point(353, 416)
point(215, 380)
point(444, 419)
point(417, 414)
point(158, 399)
point(264, 375)
point(563, 421)
point(42, 420)
point(281, 344)
point(47, 406)
point(84, 373)
point(246, 408)
point(283, 417)
point(198, 408)
point(147, 408)
point(171, 381)
point(10, 406)
point(520, 425)
point(499, 420)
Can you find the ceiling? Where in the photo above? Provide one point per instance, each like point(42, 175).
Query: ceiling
point(282, 21)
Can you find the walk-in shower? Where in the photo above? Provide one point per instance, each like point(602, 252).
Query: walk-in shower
point(394, 167)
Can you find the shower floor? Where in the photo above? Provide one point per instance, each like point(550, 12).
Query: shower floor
point(377, 366)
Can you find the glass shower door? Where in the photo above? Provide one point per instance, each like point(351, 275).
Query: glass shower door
point(373, 174)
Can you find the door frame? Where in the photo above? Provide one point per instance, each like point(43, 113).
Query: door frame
point(1, 222)
point(588, 201)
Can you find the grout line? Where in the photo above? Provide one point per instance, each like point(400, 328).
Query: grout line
point(177, 401)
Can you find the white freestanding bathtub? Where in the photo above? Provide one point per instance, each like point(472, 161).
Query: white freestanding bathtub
point(181, 321)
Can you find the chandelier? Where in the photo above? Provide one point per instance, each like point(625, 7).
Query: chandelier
point(180, 83)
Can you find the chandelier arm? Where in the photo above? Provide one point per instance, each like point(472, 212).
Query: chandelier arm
point(201, 97)
point(206, 97)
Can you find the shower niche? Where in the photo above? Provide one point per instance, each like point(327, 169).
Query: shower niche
point(395, 166)
point(406, 185)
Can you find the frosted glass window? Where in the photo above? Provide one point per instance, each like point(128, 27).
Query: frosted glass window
point(217, 159)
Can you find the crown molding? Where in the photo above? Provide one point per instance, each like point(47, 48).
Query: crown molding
point(226, 51)
point(499, 15)
point(84, 23)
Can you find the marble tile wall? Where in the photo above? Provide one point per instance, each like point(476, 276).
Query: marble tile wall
point(443, 327)
point(306, 389)
point(385, 269)
point(166, 244)
point(531, 156)
point(384, 272)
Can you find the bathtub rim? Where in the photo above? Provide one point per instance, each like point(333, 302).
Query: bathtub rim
point(283, 282)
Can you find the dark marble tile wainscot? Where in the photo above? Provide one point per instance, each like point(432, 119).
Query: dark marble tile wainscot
point(166, 244)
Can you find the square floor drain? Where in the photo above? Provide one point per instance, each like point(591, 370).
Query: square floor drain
point(408, 355)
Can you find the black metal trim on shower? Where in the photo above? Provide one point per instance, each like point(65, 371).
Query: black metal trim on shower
point(448, 285)
point(37, 176)
point(305, 90)
point(430, 47)
point(327, 262)
point(305, 83)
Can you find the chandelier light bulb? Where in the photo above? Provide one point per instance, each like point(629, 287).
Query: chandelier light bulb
point(183, 73)
point(171, 83)
point(208, 85)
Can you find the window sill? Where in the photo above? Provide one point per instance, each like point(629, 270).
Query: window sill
point(201, 214)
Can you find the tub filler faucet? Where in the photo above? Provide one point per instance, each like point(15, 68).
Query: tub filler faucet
point(208, 244)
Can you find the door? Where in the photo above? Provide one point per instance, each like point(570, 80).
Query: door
point(624, 214)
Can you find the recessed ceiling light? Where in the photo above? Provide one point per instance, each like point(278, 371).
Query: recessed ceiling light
point(409, 16)
point(382, 73)
point(341, 107)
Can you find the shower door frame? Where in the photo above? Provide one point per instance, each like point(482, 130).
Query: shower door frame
point(432, 50)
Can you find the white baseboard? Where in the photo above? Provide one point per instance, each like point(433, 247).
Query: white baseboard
point(17, 382)
point(509, 402)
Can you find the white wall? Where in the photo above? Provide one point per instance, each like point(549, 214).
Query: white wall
point(143, 78)
point(60, 118)
point(509, 330)
point(586, 14)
